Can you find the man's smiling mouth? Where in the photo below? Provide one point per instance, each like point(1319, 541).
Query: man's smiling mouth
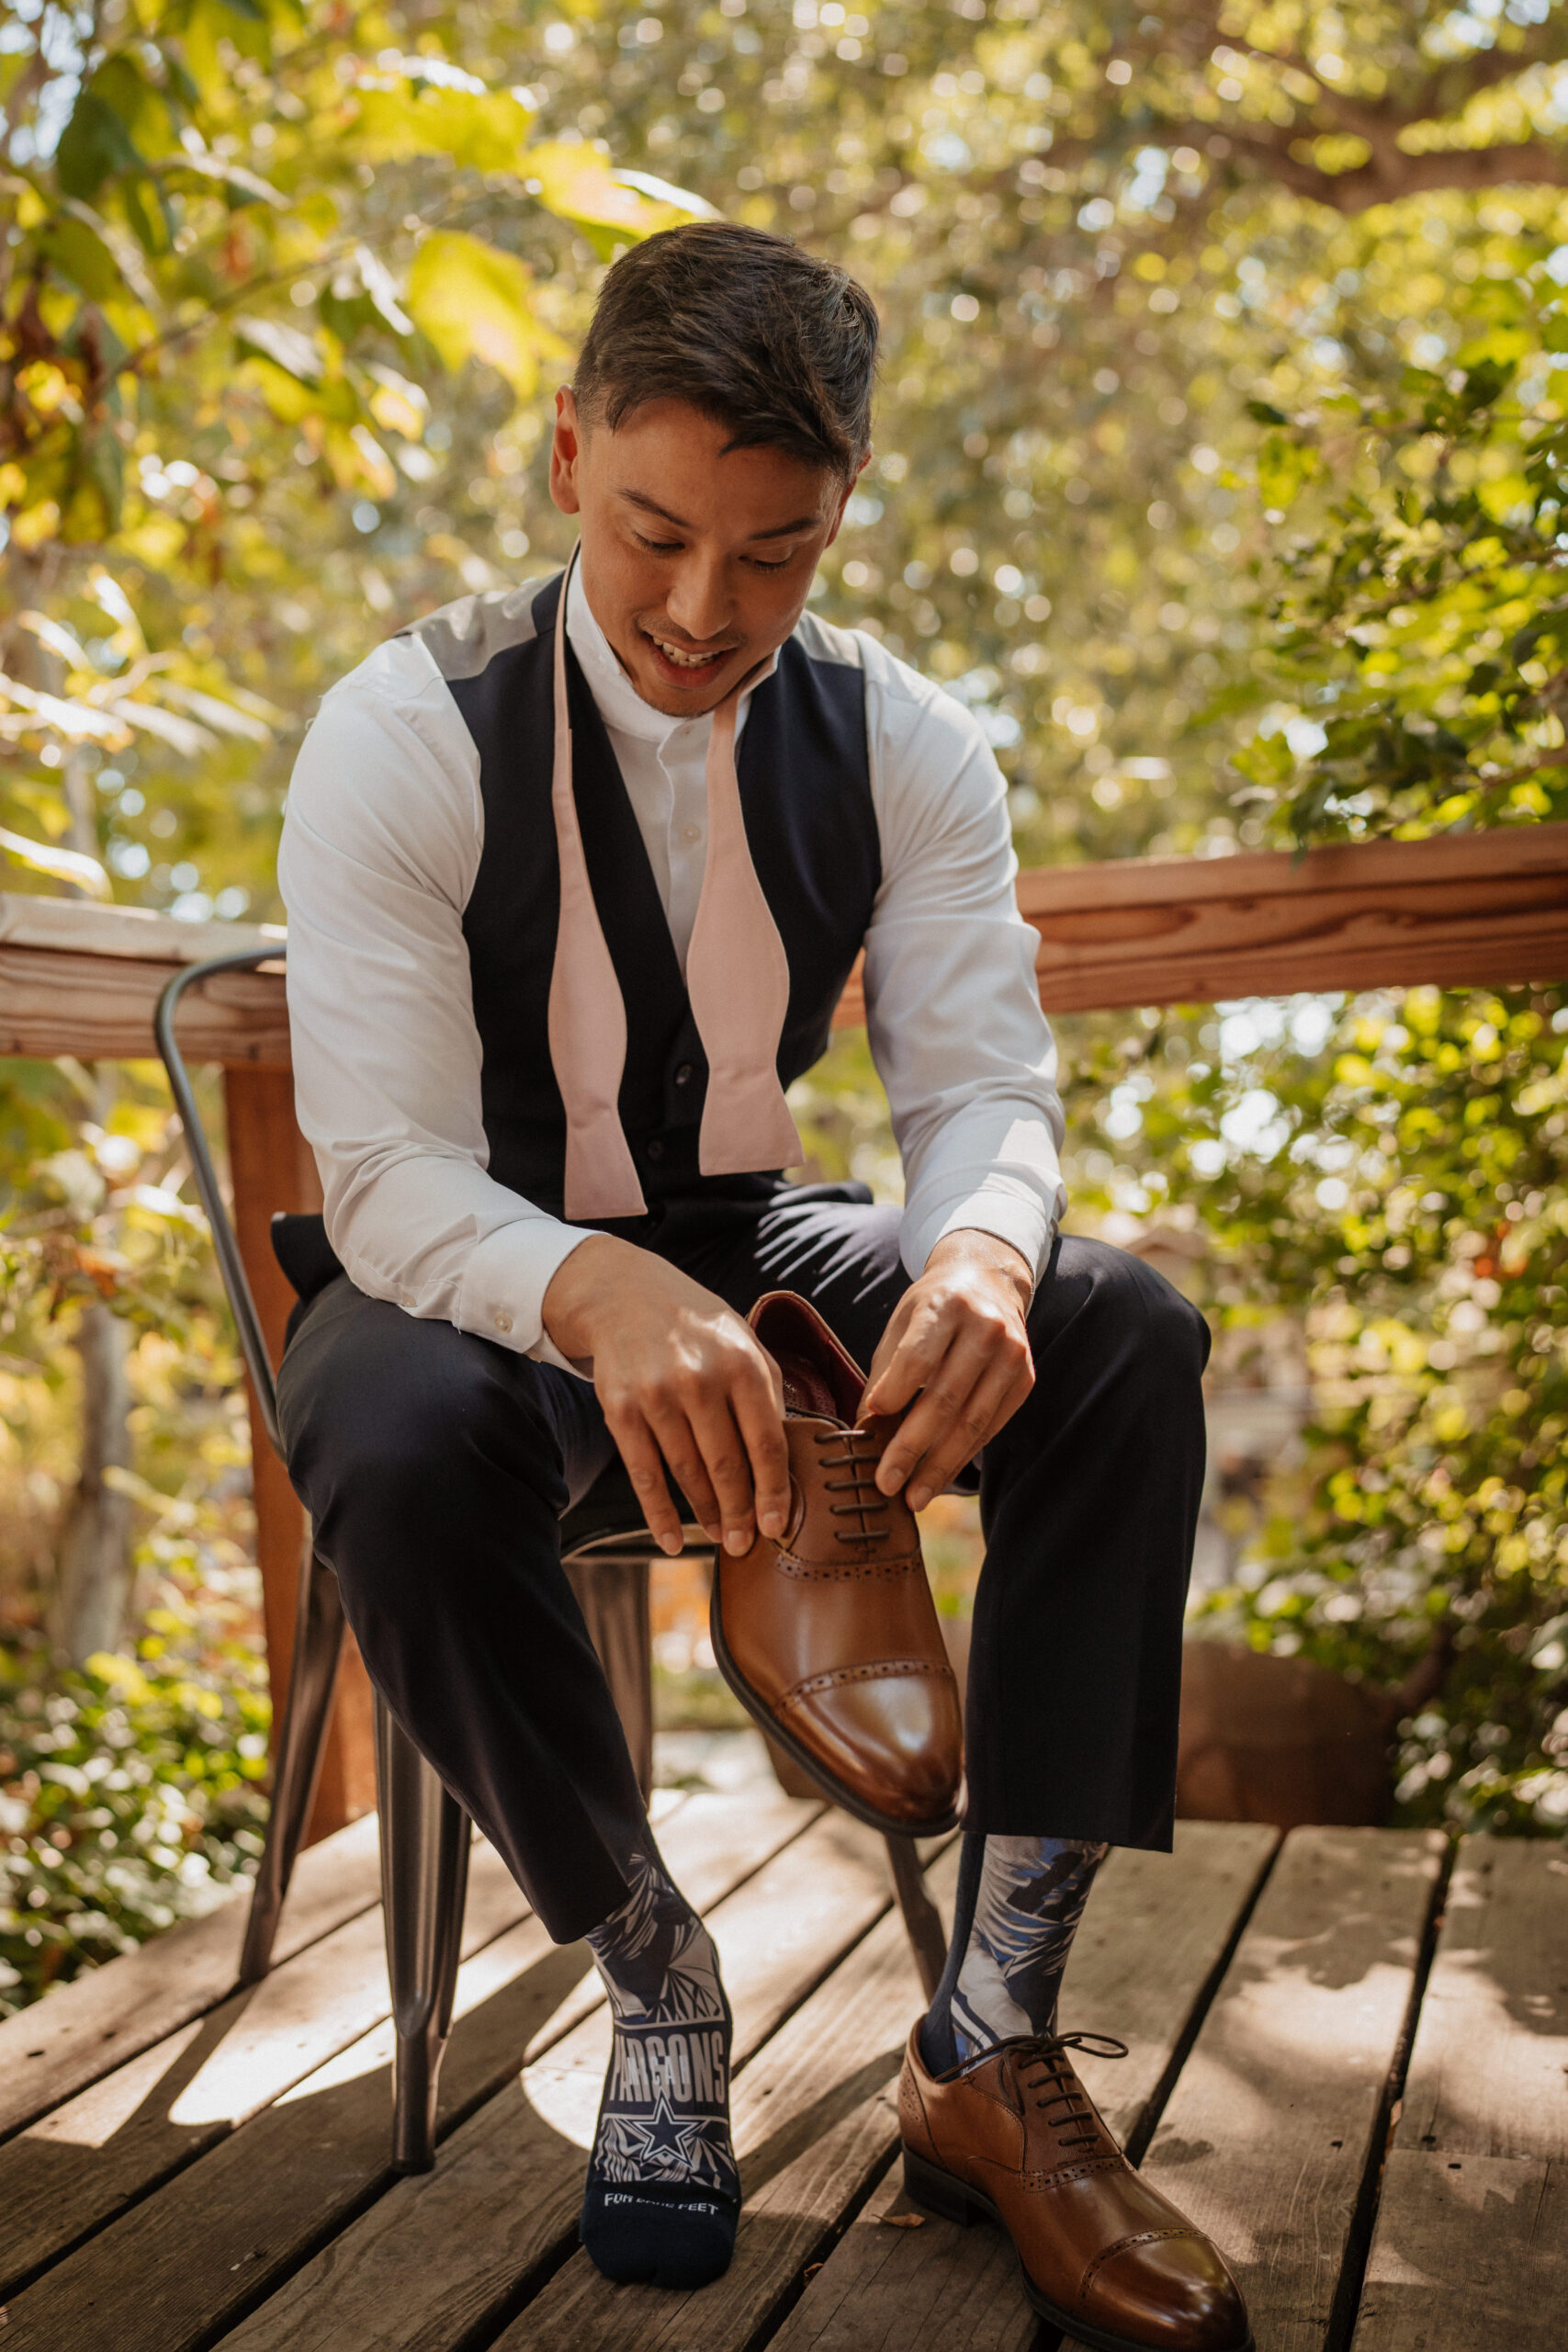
point(682, 658)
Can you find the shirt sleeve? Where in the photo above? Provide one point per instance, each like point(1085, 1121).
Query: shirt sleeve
point(381, 843)
point(953, 1007)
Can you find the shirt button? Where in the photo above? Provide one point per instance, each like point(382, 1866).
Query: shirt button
point(406, 1303)
point(684, 1075)
point(655, 1149)
point(503, 1322)
point(691, 832)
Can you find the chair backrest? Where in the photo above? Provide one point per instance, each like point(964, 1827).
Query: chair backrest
point(225, 1242)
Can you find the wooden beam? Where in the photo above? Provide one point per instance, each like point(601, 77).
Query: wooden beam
point(272, 1169)
point(76, 978)
point(1460, 911)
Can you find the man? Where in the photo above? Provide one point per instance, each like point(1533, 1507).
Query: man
point(575, 875)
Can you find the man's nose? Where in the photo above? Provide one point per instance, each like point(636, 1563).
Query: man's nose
point(698, 601)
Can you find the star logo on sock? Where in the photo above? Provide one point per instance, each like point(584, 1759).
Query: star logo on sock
point(665, 2139)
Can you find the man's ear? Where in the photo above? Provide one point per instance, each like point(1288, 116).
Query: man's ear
point(844, 497)
point(566, 452)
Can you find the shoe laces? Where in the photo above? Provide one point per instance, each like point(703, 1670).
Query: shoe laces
point(1053, 2082)
point(869, 1502)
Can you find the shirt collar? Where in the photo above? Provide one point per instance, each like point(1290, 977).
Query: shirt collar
point(620, 705)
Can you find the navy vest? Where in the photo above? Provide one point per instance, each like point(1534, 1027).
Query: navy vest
point(805, 794)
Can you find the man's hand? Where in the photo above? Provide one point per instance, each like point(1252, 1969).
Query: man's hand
point(958, 1344)
point(681, 1382)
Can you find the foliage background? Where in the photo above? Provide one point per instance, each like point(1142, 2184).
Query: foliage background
point(1219, 469)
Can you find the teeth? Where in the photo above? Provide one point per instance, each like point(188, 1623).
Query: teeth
point(684, 660)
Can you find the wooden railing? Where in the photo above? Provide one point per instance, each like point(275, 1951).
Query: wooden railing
point(1475, 910)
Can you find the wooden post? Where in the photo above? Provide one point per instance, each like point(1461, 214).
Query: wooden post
point(272, 1169)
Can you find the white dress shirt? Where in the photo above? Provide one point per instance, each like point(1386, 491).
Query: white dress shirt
point(381, 846)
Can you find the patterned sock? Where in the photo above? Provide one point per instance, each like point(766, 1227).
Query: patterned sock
point(1019, 1901)
point(663, 2193)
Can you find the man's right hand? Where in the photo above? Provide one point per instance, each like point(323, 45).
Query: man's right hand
point(682, 1383)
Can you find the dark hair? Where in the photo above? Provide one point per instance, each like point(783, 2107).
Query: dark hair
point(765, 338)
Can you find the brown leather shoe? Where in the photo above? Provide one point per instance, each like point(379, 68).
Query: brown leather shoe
point(1013, 2137)
point(830, 1636)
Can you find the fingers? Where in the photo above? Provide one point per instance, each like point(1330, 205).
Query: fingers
point(758, 1410)
point(636, 1443)
point(715, 1425)
point(970, 1385)
point(903, 1362)
point(705, 1448)
point(936, 1412)
point(990, 1404)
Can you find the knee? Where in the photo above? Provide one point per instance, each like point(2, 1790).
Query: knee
point(1118, 1305)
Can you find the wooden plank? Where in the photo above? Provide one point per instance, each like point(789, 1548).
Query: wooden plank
point(1153, 1938)
point(899, 2278)
point(70, 2173)
point(207, 2246)
point(76, 926)
point(1281, 2109)
point(1482, 908)
point(815, 2117)
point(1489, 2068)
point(272, 1167)
point(1470, 2245)
point(100, 1008)
point(438, 2260)
point(1471, 2255)
point(82, 2030)
point(1475, 909)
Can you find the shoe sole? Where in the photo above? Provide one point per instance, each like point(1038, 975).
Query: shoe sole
point(954, 2201)
point(767, 1722)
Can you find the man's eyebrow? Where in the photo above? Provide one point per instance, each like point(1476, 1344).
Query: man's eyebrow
point(775, 530)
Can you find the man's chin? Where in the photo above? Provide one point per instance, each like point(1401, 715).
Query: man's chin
point(683, 694)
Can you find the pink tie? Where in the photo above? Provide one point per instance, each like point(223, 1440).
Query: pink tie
point(737, 980)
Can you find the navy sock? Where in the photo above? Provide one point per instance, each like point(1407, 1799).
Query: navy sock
point(663, 2193)
point(1019, 1904)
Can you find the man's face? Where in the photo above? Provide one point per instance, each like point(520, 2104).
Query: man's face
point(696, 559)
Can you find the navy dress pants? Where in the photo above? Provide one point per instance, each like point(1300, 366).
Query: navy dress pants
point(436, 1467)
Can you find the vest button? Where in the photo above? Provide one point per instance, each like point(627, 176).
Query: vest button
point(685, 1074)
point(503, 1322)
point(655, 1149)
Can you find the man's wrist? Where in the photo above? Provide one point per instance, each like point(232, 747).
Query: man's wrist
point(576, 1291)
point(971, 1247)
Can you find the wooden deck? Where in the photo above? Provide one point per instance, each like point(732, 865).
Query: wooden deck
point(1347, 2060)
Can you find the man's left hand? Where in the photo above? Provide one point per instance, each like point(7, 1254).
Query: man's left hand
point(958, 1346)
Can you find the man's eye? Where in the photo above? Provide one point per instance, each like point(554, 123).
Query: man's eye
point(657, 546)
point(783, 563)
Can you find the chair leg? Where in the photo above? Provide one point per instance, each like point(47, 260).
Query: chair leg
point(922, 1919)
point(424, 1874)
point(302, 1743)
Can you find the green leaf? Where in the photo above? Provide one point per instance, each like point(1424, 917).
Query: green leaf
point(80, 255)
point(580, 185)
point(475, 302)
point(482, 130)
point(94, 143)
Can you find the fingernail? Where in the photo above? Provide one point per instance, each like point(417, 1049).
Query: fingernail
point(737, 1540)
point(671, 1544)
point(772, 1523)
point(917, 1498)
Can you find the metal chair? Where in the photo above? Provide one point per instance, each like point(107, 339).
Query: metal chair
point(424, 1833)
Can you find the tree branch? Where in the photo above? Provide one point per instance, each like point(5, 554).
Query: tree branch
point(1391, 173)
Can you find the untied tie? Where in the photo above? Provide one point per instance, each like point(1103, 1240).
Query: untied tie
point(736, 982)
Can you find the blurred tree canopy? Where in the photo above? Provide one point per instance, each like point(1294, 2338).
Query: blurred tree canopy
point(1220, 469)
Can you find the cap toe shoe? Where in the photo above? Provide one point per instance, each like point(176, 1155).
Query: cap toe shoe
point(830, 1636)
point(1012, 2135)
